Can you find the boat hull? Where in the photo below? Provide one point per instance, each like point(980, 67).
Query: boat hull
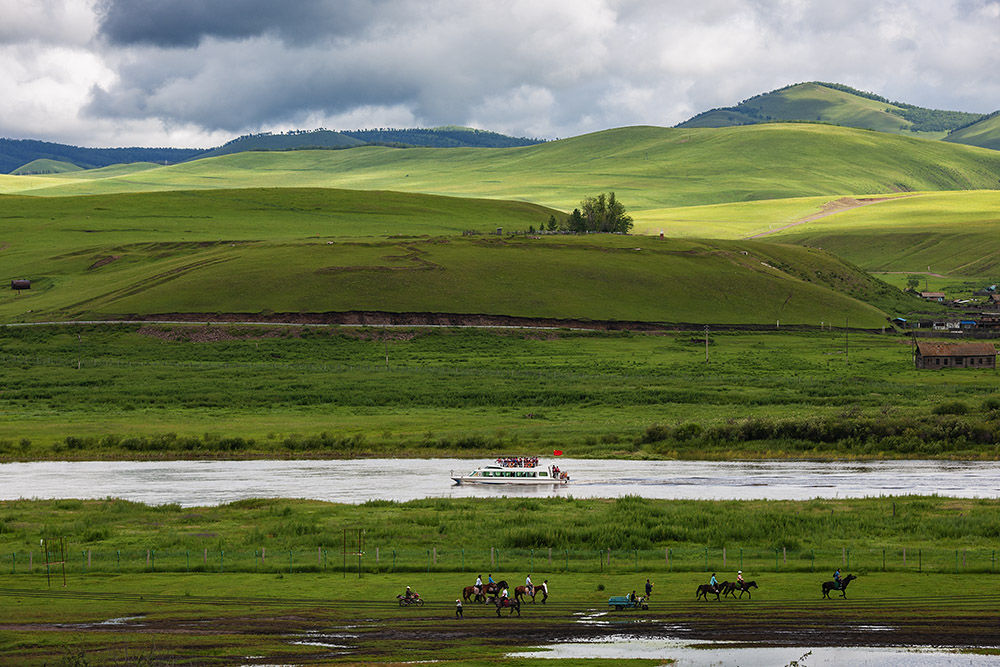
point(509, 481)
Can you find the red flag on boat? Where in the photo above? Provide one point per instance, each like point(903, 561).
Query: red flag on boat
point(557, 452)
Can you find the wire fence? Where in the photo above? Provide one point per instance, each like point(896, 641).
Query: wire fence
point(376, 560)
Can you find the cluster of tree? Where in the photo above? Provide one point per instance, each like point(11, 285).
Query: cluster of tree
point(441, 137)
point(934, 120)
point(603, 213)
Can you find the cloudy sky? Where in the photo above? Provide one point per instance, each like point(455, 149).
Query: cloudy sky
point(199, 72)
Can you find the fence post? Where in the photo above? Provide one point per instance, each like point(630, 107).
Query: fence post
point(31, 562)
point(706, 559)
point(843, 556)
point(376, 555)
point(147, 558)
point(152, 561)
point(668, 559)
point(775, 560)
point(205, 558)
point(848, 559)
point(531, 561)
point(118, 559)
point(566, 552)
point(463, 559)
point(883, 559)
point(723, 558)
point(88, 560)
point(904, 558)
point(428, 560)
point(920, 560)
point(319, 556)
point(187, 561)
point(435, 556)
point(741, 559)
point(956, 561)
point(13, 563)
point(550, 558)
point(812, 562)
point(393, 560)
point(289, 561)
point(636, 552)
point(222, 560)
point(784, 556)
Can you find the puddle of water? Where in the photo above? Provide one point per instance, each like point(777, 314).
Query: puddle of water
point(690, 653)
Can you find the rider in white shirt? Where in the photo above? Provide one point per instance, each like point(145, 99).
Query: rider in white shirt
point(528, 586)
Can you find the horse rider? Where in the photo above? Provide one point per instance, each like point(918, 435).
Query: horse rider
point(479, 585)
point(503, 597)
point(649, 588)
point(836, 578)
point(714, 583)
point(739, 579)
point(489, 578)
point(545, 590)
point(528, 586)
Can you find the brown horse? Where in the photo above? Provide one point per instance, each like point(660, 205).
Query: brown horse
point(521, 591)
point(469, 593)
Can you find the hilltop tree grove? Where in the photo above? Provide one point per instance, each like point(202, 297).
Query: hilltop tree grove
point(603, 213)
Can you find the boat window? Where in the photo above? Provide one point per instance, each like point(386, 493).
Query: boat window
point(543, 474)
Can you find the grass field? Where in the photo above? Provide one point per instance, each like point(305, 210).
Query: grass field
point(314, 609)
point(649, 168)
point(181, 391)
point(948, 233)
point(293, 250)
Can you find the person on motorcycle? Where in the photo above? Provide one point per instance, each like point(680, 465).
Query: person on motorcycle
point(479, 585)
point(714, 583)
point(408, 595)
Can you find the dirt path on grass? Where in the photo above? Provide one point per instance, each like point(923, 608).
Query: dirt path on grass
point(831, 208)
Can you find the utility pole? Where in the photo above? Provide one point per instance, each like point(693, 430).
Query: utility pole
point(847, 331)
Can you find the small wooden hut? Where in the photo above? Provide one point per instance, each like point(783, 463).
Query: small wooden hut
point(955, 355)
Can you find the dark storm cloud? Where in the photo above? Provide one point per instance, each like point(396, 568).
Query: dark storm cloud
point(184, 23)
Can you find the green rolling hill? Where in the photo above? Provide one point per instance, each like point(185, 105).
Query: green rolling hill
point(985, 133)
point(838, 104)
point(649, 168)
point(294, 250)
point(45, 166)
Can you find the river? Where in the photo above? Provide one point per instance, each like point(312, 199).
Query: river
point(199, 483)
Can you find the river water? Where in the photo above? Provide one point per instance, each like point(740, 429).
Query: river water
point(198, 483)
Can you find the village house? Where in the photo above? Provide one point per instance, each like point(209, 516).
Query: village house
point(955, 355)
point(933, 296)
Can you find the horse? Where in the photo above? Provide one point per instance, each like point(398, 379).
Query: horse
point(521, 591)
point(728, 588)
point(745, 588)
point(513, 603)
point(832, 586)
point(493, 591)
point(704, 590)
point(469, 593)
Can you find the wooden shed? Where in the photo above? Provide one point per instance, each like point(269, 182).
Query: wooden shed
point(955, 355)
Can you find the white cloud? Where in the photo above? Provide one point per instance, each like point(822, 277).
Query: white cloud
point(173, 73)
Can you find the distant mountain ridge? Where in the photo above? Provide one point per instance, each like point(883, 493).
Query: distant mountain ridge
point(17, 153)
point(818, 101)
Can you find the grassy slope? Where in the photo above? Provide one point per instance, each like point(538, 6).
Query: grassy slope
point(813, 102)
point(952, 232)
point(649, 167)
point(45, 166)
point(985, 133)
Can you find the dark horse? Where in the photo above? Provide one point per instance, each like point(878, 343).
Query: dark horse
point(469, 593)
point(493, 590)
point(832, 586)
point(512, 603)
point(745, 588)
point(705, 589)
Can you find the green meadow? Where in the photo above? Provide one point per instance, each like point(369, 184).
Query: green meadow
point(319, 250)
point(164, 391)
point(649, 168)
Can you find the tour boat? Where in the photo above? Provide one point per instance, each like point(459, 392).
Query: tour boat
point(515, 470)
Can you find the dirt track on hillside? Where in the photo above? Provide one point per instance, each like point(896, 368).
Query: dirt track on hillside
point(831, 208)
